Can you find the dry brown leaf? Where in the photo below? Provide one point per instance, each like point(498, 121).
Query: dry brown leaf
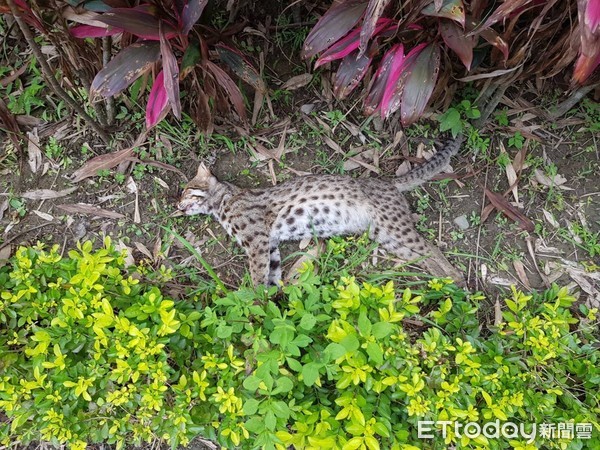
point(161, 182)
point(511, 175)
point(550, 218)
point(309, 255)
point(101, 162)
point(5, 253)
point(520, 269)
point(34, 154)
point(297, 82)
point(143, 249)
point(133, 189)
point(160, 165)
point(45, 194)
point(43, 215)
point(108, 161)
point(84, 208)
point(509, 211)
point(129, 259)
point(557, 181)
point(3, 207)
point(497, 313)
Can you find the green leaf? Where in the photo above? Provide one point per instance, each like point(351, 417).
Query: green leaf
point(270, 420)
point(255, 425)
point(310, 373)
point(251, 406)
point(281, 409)
point(364, 324)
point(294, 364)
point(282, 386)
point(335, 351)
point(251, 383)
point(350, 343)
point(302, 340)
point(382, 329)
point(375, 353)
point(308, 321)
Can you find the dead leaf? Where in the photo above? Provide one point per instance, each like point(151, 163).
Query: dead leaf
point(520, 269)
point(43, 215)
point(108, 161)
point(133, 189)
point(509, 211)
point(5, 253)
point(557, 181)
point(45, 194)
point(309, 255)
point(160, 165)
point(511, 175)
point(550, 218)
point(3, 207)
point(297, 82)
point(143, 249)
point(34, 154)
point(101, 162)
point(497, 313)
point(161, 182)
point(84, 208)
point(129, 259)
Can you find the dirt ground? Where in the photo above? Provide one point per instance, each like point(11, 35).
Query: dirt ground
point(555, 178)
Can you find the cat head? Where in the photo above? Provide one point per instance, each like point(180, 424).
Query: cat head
point(196, 197)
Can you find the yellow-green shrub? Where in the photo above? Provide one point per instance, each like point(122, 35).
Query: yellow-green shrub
point(89, 354)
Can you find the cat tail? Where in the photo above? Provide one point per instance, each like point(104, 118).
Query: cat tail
point(433, 166)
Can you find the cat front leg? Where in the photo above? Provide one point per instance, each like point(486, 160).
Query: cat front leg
point(274, 265)
point(257, 248)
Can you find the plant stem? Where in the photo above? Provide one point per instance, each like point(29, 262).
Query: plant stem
point(47, 71)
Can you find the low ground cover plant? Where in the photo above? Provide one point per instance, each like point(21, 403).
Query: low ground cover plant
point(89, 353)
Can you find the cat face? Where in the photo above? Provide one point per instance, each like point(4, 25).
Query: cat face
point(195, 196)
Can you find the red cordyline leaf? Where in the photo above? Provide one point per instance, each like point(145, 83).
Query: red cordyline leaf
point(137, 22)
point(421, 76)
point(592, 15)
point(397, 65)
point(589, 53)
point(489, 35)
point(158, 102)
point(171, 71)
point(501, 13)
point(334, 24)
point(125, 68)
point(230, 88)
point(351, 42)
point(191, 13)
point(351, 71)
point(90, 31)
point(457, 40)
point(28, 16)
point(392, 96)
point(451, 9)
point(391, 62)
point(372, 15)
point(585, 66)
point(240, 65)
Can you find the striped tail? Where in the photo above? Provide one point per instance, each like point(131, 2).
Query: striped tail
point(427, 170)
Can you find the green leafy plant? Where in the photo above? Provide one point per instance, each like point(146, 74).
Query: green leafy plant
point(453, 119)
point(366, 33)
point(163, 29)
point(90, 354)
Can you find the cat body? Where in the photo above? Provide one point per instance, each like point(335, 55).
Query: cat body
point(322, 206)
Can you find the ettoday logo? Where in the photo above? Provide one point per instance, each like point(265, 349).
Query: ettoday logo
point(507, 430)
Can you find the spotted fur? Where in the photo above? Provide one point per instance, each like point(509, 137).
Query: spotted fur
point(319, 205)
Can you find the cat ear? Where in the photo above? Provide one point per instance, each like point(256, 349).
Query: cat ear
point(203, 172)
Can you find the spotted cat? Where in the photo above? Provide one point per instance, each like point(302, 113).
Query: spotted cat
point(323, 206)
